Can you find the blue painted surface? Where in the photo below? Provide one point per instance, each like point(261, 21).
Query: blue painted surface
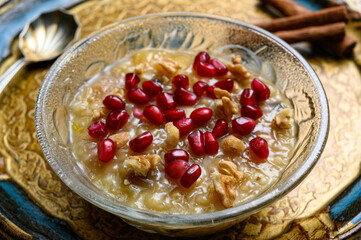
point(356, 219)
point(347, 206)
point(20, 209)
point(310, 4)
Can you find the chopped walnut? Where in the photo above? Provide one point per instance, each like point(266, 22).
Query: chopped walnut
point(154, 159)
point(99, 113)
point(229, 107)
point(120, 139)
point(230, 169)
point(237, 59)
point(226, 107)
point(172, 134)
point(98, 89)
point(224, 187)
point(225, 180)
point(238, 70)
point(167, 66)
point(219, 93)
point(140, 165)
point(284, 118)
point(119, 93)
point(236, 88)
point(233, 145)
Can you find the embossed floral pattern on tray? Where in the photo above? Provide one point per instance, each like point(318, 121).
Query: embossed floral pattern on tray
point(336, 169)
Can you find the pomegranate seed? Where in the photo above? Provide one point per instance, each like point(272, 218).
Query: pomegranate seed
point(259, 147)
point(251, 111)
point(176, 168)
point(114, 102)
point(97, 130)
point(137, 113)
point(140, 143)
point(248, 97)
point(106, 150)
point(201, 116)
point(211, 145)
point(196, 142)
point(153, 114)
point(137, 96)
point(152, 88)
point(260, 89)
point(201, 57)
point(199, 88)
point(184, 97)
point(180, 80)
point(220, 129)
point(221, 69)
point(166, 101)
point(191, 175)
point(176, 154)
point(243, 125)
point(210, 92)
point(226, 84)
point(204, 69)
point(172, 115)
point(116, 119)
point(131, 80)
point(184, 125)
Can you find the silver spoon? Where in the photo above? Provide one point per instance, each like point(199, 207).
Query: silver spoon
point(43, 39)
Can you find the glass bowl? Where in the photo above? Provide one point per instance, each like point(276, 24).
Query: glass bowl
point(261, 50)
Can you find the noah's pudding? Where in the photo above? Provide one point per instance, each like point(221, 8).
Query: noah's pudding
point(181, 132)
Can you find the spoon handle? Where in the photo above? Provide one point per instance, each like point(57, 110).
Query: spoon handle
point(10, 73)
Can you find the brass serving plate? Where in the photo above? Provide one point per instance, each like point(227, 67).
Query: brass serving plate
point(299, 215)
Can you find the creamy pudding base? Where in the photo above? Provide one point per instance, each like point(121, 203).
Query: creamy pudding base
point(157, 192)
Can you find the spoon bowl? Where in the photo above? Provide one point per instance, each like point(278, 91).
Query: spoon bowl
point(43, 39)
point(47, 36)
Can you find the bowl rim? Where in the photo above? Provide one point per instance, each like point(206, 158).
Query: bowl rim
point(155, 218)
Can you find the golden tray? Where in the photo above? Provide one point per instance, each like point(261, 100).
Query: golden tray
point(302, 214)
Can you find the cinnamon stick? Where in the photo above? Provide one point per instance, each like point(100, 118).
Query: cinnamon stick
point(325, 16)
point(316, 33)
point(339, 48)
point(287, 7)
point(343, 47)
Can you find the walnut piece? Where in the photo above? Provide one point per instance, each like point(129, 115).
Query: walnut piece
point(238, 70)
point(154, 159)
point(224, 187)
point(224, 182)
point(99, 113)
point(219, 93)
point(236, 87)
point(119, 93)
point(237, 59)
point(120, 138)
point(226, 107)
point(140, 165)
point(284, 118)
point(167, 66)
point(233, 145)
point(172, 134)
point(230, 169)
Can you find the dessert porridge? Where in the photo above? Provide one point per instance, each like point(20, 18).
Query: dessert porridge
point(181, 132)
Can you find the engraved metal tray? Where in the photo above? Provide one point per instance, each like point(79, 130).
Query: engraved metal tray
point(34, 203)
